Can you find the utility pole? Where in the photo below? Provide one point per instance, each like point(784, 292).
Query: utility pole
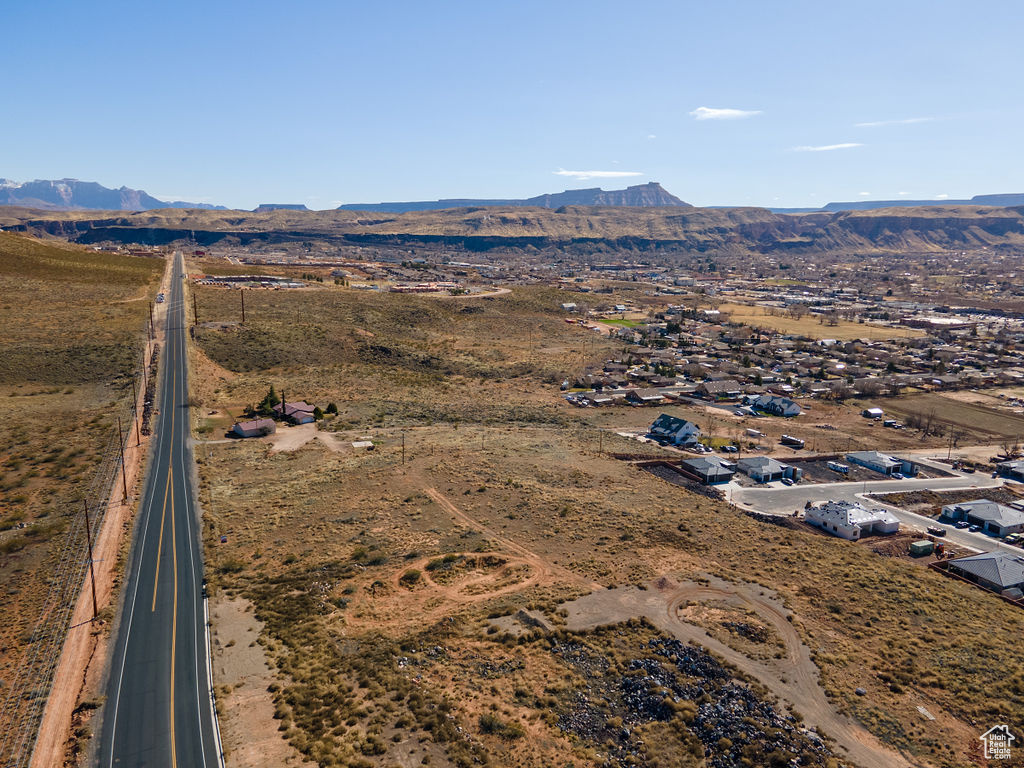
point(195, 310)
point(152, 328)
point(600, 443)
point(92, 574)
point(124, 469)
point(241, 291)
point(135, 410)
point(403, 447)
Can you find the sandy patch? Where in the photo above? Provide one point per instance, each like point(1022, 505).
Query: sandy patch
point(241, 675)
point(292, 438)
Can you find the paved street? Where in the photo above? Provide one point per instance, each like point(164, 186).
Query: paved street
point(158, 711)
point(786, 500)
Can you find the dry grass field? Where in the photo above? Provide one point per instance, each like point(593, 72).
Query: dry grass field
point(983, 423)
point(812, 326)
point(73, 324)
point(378, 581)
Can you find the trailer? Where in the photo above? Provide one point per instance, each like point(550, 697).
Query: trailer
point(836, 466)
point(792, 442)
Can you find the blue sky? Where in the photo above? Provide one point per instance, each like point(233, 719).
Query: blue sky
point(329, 102)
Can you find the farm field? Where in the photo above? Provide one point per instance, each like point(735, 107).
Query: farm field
point(410, 601)
point(73, 328)
point(811, 325)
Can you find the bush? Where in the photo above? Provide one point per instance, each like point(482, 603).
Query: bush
point(410, 577)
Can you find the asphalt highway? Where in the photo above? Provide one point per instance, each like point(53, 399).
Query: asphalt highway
point(158, 711)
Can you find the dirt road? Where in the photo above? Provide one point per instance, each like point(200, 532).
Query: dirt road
point(542, 566)
point(793, 678)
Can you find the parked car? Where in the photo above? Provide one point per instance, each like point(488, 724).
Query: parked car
point(788, 481)
point(974, 528)
point(897, 476)
point(961, 524)
point(935, 530)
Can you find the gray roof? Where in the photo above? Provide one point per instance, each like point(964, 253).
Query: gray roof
point(999, 567)
point(710, 466)
point(873, 457)
point(668, 423)
point(765, 465)
point(990, 511)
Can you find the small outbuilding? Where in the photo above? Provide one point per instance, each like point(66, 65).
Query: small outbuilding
point(254, 428)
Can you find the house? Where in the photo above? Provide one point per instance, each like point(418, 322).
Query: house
point(763, 469)
point(728, 389)
point(254, 428)
point(999, 571)
point(849, 520)
point(1014, 470)
point(991, 517)
point(674, 430)
point(710, 470)
point(644, 397)
point(776, 406)
point(879, 462)
point(299, 412)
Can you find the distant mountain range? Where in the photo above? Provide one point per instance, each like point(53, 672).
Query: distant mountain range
point(651, 195)
point(1001, 201)
point(70, 194)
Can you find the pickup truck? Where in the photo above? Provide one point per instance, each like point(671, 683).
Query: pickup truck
point(935, 530)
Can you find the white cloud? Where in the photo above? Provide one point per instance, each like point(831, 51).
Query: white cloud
point(906, 121)
point(943, 196)
point(652, 136)
point(581, 175)
point(828, 147)
point(864, 194)
point(902, 194)
point(709, 113)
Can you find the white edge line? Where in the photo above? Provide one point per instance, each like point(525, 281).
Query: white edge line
point(135, 593)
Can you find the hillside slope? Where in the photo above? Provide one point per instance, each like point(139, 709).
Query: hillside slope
point(713, 230)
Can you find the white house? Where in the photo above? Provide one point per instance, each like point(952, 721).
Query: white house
point(776, 406)
point(851, 521)
point(674, 430)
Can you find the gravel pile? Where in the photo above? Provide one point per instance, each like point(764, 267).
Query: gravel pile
point(666, 680)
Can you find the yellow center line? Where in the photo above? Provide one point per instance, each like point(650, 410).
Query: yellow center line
point(163, 512)
point(174, 623)
point(160, 541)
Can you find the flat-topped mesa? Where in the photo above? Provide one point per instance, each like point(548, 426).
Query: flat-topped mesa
point(650, 195)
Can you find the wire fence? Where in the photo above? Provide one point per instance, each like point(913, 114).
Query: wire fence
point(29, 686)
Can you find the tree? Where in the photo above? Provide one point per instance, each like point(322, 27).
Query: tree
point(317, 413)
point(267, 404)
point(331, 408)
